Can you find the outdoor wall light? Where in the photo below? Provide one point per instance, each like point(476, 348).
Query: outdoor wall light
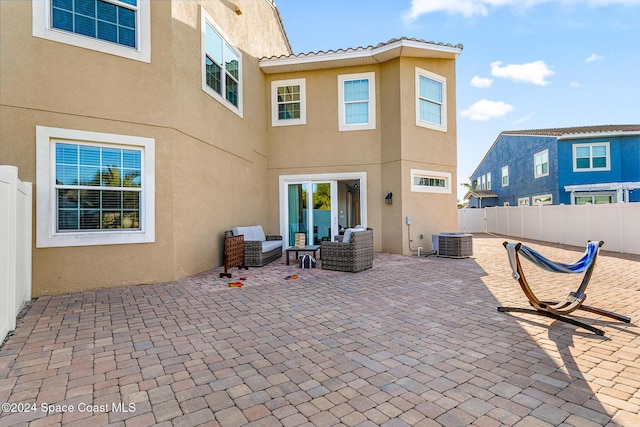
point(388, 200)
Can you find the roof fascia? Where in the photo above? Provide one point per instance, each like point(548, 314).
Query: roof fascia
point(598, 135)
point(373, 55)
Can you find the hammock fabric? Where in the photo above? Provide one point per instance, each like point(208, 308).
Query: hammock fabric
point(556, 267)
point(573, 301)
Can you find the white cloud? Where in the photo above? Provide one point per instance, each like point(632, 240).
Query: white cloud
point(470, 8)
point(484, 110)
point(478, 81)
point(531, 72)
point(594, 57)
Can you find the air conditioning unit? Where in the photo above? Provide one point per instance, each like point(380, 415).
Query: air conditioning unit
point(453, 245)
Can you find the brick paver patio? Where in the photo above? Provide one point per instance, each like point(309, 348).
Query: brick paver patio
point(413, 341)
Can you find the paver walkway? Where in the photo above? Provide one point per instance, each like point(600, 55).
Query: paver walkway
point(413, 341)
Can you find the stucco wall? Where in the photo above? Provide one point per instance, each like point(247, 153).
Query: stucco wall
point(210, 163)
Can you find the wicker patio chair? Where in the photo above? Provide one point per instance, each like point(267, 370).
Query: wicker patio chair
point(354, 256)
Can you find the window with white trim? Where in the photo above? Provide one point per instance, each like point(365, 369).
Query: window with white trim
point(544, 199)
point(288, 102)
point(591, 157)
point(430, 181)
point(483, 182)
point(116, 27)
point(488, 180)
point(431, 96)
point(357, 101)
point(93, 188)
point(523, 201)
point(221, 66)
point(505, 176)
point(595, 198)
point(541, 164)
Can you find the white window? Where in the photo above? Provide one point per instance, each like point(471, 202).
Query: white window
point(430, 181)
point(116, 27)
point(431, 95)
point(357, 101)
point(591, 157)
point(541, 164)
point(483, 182)
point(488, 180)
point(505, 176)
point(523, 201)
point(288, 102)
point(595, 198)
point(221, 66)
point(545, 199)
point(93, 188)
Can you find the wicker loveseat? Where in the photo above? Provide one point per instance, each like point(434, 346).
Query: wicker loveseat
point(259, 249)
point(353, 256)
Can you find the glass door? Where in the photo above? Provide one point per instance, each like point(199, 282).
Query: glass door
point(311, 210)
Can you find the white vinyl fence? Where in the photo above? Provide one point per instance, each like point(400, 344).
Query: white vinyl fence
point(15, 247)
point(617, 224)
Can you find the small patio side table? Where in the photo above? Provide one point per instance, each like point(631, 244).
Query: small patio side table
point(308, 248)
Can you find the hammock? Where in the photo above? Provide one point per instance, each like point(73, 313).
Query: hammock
point(555, 267)
point(574, 301)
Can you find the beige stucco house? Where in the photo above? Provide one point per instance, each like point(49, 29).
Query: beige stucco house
point(150, 128)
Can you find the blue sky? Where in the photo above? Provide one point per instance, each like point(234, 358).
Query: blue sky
point(526, 64)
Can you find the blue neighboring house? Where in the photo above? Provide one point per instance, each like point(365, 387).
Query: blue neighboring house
point(574, 165)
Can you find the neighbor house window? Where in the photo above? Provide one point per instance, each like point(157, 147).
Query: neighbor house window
point(545, 199)
point(356, 101)
point(523, 201)
point(595, 199)
point(117, 27)
point(222, 66)
point(541, 164)
point(430, 181)
point(288, 105)
point(591, 157)
point(488, 180)
point(483, 182)
point(93, 188)
point(431, 95)
point(505, 176)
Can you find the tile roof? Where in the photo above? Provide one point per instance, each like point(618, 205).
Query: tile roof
point(574, 130)
point(367, 48)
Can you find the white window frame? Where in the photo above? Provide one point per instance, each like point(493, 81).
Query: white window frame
point(42, 28)
point(483, 182)
point(275, 120)
point(488, 180)
point(607, 146)
point(505, 174)
point(535, 200)
point(535, 164)
point(47, 235)
point(523, 201)
point(419, 173)
point(593, 195)
point(208, 20)
point(443, 112)
point(342, 115)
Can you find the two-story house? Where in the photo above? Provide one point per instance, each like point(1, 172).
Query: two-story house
point(576, 165)
point(151, 127)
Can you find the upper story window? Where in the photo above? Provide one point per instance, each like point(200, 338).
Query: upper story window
point(356, 101)
point(431, 95)
point(430, 181)
point(288, 102)
point(483, 182)
point(93, 188)
point(222, 66)
point(117, 27)
point(591, 157)
point(505, 176)
point(541, 163)
point(488, 180)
